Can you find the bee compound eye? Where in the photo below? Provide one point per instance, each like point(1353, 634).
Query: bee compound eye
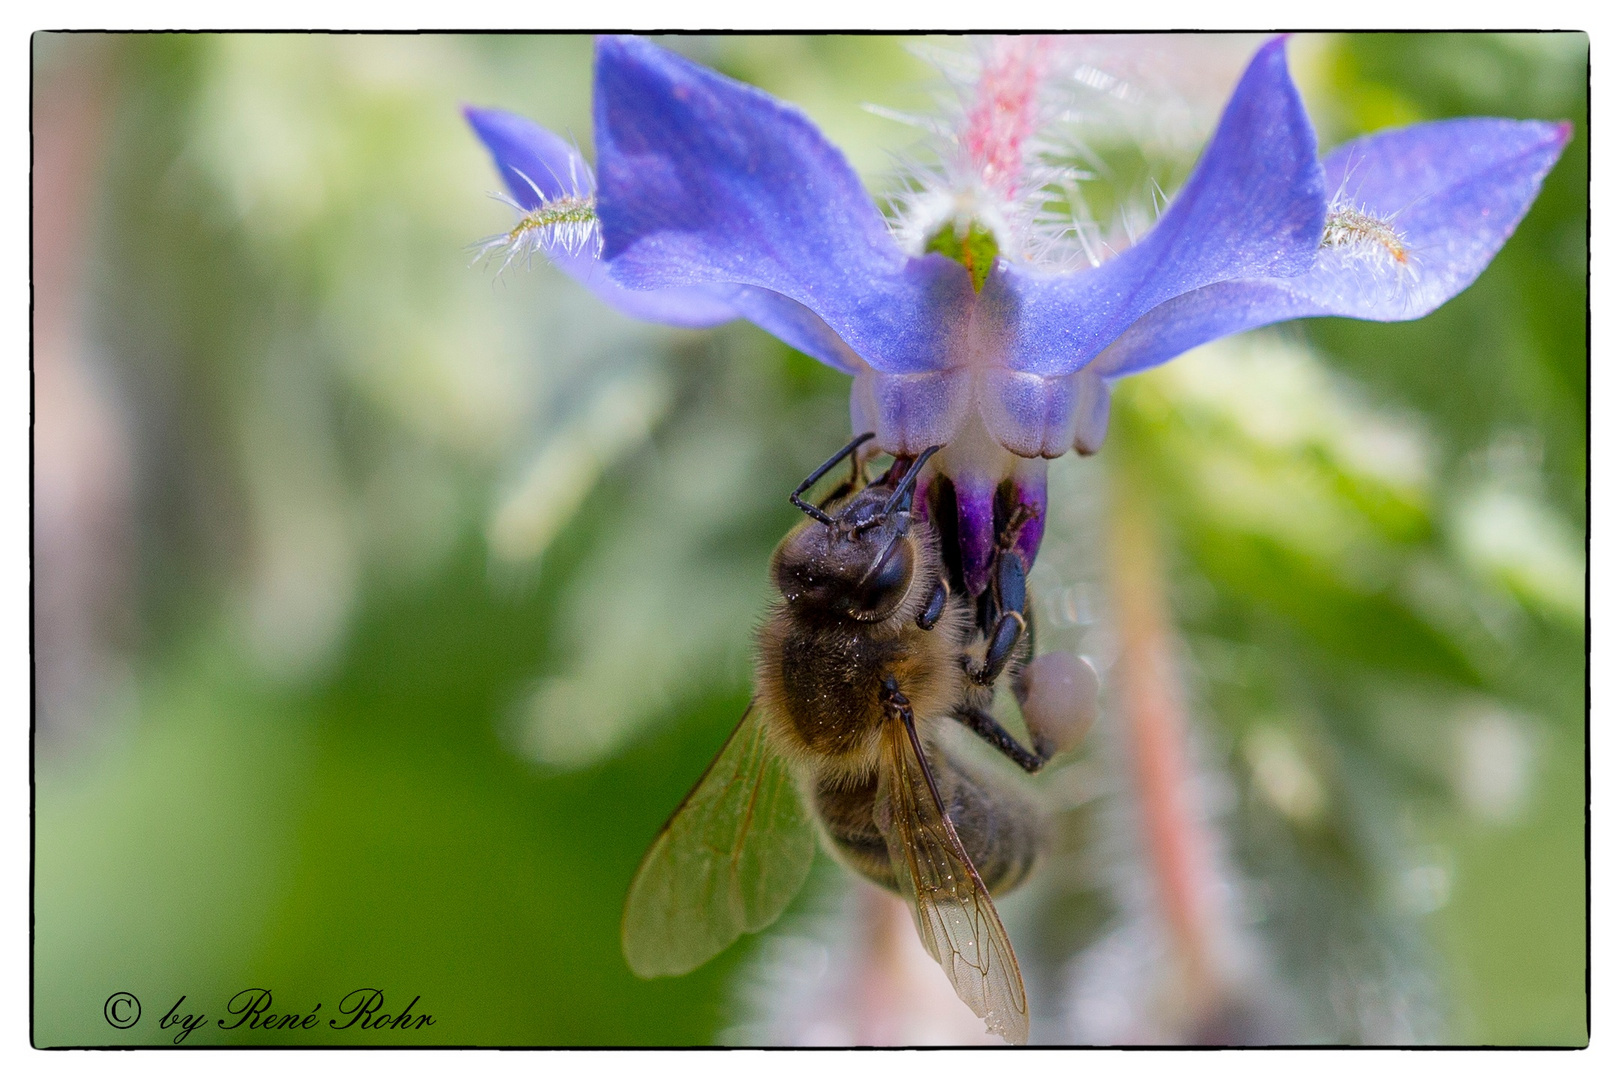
point(1059, 699)
point(882, 589)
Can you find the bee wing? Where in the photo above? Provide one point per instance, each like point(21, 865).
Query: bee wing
point(729, 859)
point(955, 918)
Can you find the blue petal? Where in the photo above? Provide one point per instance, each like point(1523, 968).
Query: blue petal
point(1452, 191)
point(529, 157)
point(1254, 206)
point(793, 323)
point(705, 180)
point(913, 411)
point(524, 152)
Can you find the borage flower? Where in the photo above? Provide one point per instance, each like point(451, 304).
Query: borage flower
point(716, 201)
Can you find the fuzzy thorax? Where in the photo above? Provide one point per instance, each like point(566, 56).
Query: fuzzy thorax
point(817, 673)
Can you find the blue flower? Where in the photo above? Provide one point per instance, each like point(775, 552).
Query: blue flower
point(716, 201)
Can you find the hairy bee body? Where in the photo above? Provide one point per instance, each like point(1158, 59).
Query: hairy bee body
point(867, 657)
point(1000, 831)
point(818, 673)
point(819, 677)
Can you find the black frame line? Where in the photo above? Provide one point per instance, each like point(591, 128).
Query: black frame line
point(717, 32)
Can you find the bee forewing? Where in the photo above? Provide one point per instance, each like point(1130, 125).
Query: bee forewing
point(726, 863)
point(955, 917)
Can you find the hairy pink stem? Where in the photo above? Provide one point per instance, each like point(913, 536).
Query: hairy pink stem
point(1178, 848)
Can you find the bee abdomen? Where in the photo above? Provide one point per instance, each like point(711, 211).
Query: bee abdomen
point(1001, 833)
point(846, 815)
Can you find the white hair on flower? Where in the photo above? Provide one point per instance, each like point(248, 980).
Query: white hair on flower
point(1360, 233)
point(988, 159)
point(1012, 147)
point(567, 222)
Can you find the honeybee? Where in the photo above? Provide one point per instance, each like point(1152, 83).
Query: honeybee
point(864, 656)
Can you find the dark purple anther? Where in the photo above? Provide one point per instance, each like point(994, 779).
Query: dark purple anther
point(1029, 489)
point(975, 531)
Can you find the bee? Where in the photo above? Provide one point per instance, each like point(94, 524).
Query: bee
point(864, 656)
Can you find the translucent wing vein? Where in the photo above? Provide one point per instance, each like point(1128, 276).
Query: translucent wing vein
point(955, 917)
point(726, 863)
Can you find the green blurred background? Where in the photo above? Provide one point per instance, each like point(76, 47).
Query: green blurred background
point(385, 607)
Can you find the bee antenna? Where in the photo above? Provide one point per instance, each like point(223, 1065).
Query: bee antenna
point(901, 499)
point(815, 511)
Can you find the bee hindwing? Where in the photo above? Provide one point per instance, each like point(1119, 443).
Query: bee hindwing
point(726, 863)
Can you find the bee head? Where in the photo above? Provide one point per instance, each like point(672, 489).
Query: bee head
point(859, 563)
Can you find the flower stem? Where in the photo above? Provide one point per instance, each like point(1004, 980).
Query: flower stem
point(1178, 847)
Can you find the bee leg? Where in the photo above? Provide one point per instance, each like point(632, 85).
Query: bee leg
point(928, 617)
point(1003, 641)
point(985, 727)
point(1003, 617)
point(1010, 573)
